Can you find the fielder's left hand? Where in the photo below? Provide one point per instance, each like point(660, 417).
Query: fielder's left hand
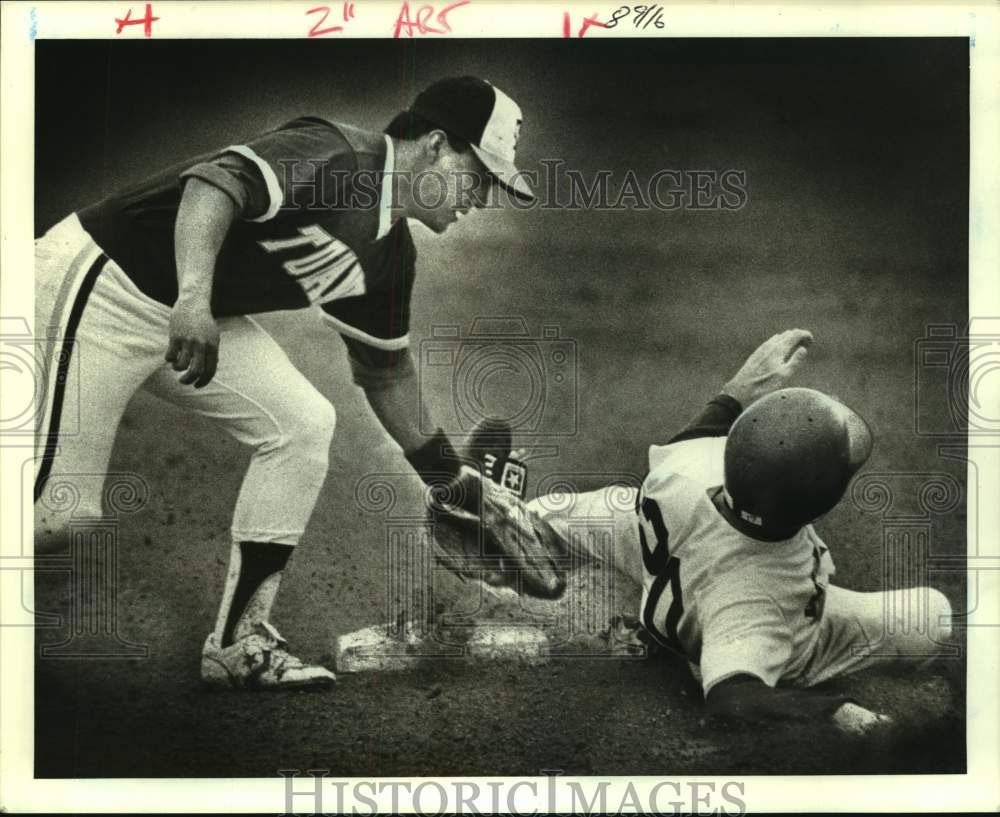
point(484, 531)
point(770, 367)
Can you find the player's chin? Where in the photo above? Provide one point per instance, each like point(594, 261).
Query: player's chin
point(436, 226)
point(439, 222)
point(435, 222)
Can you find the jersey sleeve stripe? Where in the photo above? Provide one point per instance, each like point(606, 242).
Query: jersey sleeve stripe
point(387, 344)
point(222, 179)
point(274, 193)
point(385, 200)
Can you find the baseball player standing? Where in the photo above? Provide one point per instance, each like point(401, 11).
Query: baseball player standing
point(155, 285)
point(733, 574)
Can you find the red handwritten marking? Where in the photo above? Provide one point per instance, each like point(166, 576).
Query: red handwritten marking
point(347, 12)
point(420, 21)
point(146, 22)
point(316, 31)
point(587, 23)
point(591, 21)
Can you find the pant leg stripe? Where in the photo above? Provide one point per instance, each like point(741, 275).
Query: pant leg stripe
point(68, 341)
point(56, 321)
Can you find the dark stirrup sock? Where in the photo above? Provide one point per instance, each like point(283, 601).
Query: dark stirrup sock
point(258, 561)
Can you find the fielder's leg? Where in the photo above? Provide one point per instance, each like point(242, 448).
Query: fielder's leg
point(259, 397)
point(98, 338)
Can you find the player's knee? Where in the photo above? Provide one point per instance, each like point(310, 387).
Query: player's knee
point(323, 421)
point(312, 431)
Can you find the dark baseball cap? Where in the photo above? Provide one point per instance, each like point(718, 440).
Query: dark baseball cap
point(473, 110)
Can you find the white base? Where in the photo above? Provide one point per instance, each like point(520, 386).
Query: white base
point(375, 649)
point(501, 642)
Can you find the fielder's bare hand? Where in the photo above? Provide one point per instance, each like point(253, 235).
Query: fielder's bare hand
point(194, 342)
point(770, 367)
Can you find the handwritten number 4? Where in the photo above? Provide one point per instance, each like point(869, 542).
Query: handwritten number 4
point(146, 22)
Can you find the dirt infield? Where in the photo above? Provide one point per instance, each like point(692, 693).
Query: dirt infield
point(854, 228)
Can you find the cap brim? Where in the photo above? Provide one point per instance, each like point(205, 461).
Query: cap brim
point(506, 173)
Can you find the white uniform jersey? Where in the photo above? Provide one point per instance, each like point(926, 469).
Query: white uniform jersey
point(732, 604)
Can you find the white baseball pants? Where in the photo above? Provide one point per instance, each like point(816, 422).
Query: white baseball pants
point(103, 339)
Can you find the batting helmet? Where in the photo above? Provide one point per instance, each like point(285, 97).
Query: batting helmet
point(790, 457)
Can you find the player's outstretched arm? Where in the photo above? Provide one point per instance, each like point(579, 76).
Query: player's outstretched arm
point(747, 698)
point(203, 219)
point(714, 420)
point(389, 381)
point(769, 367)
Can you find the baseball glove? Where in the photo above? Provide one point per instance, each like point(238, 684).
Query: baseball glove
point(485, 531)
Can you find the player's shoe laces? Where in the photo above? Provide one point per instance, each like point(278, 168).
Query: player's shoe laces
point(258, 661)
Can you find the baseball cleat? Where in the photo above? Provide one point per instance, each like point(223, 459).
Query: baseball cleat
point(258, 661)
point(489, 446)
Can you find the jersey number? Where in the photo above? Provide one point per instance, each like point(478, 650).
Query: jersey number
point(667, 570)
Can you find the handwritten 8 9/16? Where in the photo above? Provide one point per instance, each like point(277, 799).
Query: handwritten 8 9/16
point(642, 16)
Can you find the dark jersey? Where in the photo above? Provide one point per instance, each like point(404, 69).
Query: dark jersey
point(313, 230)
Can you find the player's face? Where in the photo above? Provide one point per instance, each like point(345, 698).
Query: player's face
point(455, 183)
